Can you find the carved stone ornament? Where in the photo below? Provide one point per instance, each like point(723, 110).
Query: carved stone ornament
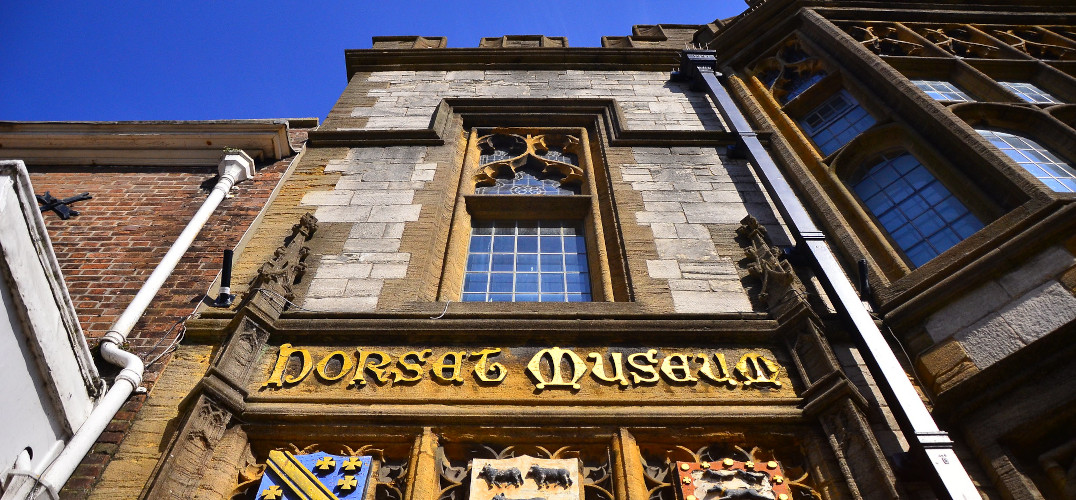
point(525, 477)
point(541, 153)
point(314, 476)
point(287, 266)
point(780, 286)
point(885, 40)
point(731, 480)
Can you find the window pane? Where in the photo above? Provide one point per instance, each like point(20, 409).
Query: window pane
point(942, 91)
point(1030, 93)
point(835, 122)
point(506, 267)
point(1037, 160)
point(929, 221)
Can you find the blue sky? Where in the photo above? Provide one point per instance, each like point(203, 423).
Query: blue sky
point(195, 59)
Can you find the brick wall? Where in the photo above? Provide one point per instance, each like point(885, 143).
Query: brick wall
point(108, 251)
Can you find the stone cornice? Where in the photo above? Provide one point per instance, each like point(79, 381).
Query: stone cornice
point(142, 143)
point(558, 58)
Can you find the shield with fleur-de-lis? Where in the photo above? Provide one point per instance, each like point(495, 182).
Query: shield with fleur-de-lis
point(315, 476)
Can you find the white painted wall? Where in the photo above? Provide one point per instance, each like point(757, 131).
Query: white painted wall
point(48, 383)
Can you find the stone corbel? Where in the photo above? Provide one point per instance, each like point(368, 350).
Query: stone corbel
point(781, 288)
point(277, 276)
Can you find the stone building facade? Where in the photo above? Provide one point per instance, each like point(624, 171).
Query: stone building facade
point(527, 253)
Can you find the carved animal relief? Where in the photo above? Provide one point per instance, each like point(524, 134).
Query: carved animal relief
point(525, 477)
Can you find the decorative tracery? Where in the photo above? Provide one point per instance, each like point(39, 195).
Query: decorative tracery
point(885, 40)
point(789, 71)
point(1036, 42)
point(529, 164)
point(961, 41)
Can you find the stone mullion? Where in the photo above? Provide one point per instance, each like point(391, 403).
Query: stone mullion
point(629, 481)
point(422, 480)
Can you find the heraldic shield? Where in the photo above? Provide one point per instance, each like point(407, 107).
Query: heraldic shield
point(730, 480)
point(316, 476)
point(525, 478)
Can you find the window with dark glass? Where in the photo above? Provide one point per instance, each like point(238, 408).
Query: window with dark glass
point(1037, 160)
point(920, 214)
point(1030, 93)
point(534, 259)
point(942, 91)
point(835, 122)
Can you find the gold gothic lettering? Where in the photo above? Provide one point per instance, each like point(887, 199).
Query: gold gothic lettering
point(556, 379)
point(277, 379)
point(549, 368)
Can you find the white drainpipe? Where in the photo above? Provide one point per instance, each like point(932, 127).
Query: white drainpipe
point(235, 167)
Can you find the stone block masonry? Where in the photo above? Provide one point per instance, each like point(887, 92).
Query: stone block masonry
point(649, 101)
point(684, 192)
point(375, 193)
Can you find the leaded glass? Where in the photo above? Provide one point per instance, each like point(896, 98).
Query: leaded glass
point(835, 122)
point(918, 212)
point(526, 183)
point(527, 261)
point(800, 81)
point(1030, 93)
point(1039, 161)
point(942, 91)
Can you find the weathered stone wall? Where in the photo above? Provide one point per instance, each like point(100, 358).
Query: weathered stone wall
point(693, 198)
point(649, 101)
point(1010, 312)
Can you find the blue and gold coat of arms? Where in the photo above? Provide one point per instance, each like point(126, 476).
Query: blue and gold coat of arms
point(316, 476)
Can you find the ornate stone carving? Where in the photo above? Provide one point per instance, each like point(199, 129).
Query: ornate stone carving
point(789, 71)
point(781, 289)
point(287, 266)
point(1060, 466)
point(661, 471)
point(188, 460)
point(961, 41)
point(1037, 42)
point(885, 40)
point(546, 154)
point(543, 472)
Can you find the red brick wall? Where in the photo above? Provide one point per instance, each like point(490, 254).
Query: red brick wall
point(108, 251)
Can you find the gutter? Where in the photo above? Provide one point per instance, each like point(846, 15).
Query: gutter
point(236, 166)
point(700, 66)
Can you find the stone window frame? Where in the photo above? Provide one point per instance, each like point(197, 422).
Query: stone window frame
point(583, 207)
point(835, 82)
point(857, 156)
point(1031, 122)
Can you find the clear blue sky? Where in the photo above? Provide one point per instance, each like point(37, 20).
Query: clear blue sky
point(198, 59)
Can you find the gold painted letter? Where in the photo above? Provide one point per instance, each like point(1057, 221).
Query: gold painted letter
point(651, 358)
point(723, 376)
point(283, 357)
point(618, 368)
point(378, 368)
point(454, 369)
point(482, 372)
point(676, 369)
point(346, 363)
point(414, 368)
point(556, 379)
point(758, 370)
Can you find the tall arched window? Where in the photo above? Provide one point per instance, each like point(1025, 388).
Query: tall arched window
point(1039, 161)
point(920, 214)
